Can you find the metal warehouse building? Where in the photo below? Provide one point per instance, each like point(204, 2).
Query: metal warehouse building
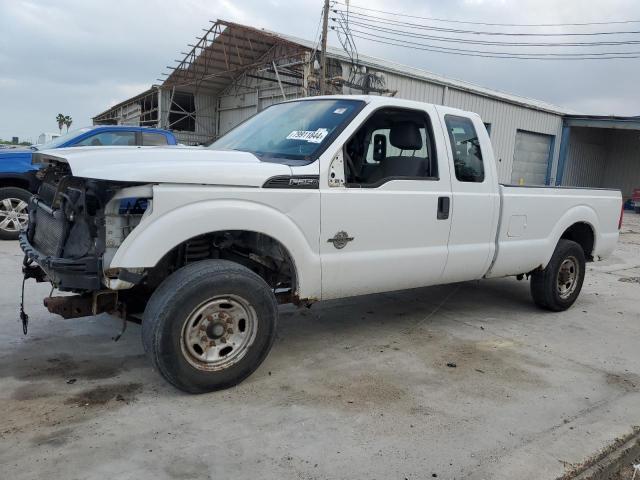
point(234, 71)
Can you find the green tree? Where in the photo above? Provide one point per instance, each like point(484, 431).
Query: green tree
point(68, 121)
point(60, 119)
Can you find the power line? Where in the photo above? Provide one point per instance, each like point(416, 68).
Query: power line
point(504, 53)
point(446, 20)
point(365, 17)
point(484, 54)
point(406, 33)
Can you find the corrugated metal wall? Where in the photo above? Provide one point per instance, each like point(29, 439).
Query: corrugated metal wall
point(505, 118)
point(623, 161)
point(238, 105)
point(586, 157)
point(603, 158)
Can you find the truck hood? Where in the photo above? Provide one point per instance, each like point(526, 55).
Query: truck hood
point(165, 165)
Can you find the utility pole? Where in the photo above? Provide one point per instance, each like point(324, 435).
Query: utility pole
point(323, 54)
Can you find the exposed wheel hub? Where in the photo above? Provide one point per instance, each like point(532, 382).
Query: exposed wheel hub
point(215, 330)
point(219, 332)
point(567, 279)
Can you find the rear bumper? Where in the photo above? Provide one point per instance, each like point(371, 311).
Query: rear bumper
point(78, 274)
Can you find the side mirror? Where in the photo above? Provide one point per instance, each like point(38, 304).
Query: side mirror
point(379, 147)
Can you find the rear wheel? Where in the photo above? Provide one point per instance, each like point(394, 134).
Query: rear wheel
point(209, 325)
point(557, 287)
point(14, 215)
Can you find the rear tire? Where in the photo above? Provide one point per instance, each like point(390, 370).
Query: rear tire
point(557, 287)
point(13, 211)
point(209, 325)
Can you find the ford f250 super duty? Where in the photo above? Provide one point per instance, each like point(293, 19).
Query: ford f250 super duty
point(309, 200)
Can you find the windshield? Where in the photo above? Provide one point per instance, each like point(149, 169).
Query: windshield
point(62, 139)
point(291, 130)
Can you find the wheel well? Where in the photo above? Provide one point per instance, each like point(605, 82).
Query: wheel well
point(15, 182)
point(582, 234)
point(261, 253)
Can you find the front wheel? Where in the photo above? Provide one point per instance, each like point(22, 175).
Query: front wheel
point(557, 287)
point(14, 214)
point(209, 325)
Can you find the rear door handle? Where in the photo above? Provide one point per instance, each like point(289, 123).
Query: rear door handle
point(443, 207)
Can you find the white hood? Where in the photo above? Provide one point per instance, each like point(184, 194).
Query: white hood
point(166, 165)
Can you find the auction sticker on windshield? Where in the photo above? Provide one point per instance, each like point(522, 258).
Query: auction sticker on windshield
point(311, 136)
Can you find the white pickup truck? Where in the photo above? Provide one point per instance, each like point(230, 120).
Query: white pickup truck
point(309, 200)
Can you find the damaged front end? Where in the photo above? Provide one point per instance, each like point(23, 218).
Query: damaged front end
point(75, 225)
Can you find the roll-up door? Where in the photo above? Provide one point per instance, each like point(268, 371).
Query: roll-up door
point(531, 158)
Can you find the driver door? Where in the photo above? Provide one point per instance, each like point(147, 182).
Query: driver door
point(391, 234)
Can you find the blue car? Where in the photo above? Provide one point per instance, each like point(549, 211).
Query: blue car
point(18, 175)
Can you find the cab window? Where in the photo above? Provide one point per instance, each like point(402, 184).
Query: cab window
point(109, 139)
point(153, 139)
point(393, 144)
point(465, 147)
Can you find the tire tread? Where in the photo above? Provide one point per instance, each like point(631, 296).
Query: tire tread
point(155, 317)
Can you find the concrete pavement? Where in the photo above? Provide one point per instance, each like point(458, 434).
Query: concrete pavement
point(356, 389)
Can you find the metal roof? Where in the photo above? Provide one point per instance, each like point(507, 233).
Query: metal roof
point(233, 47)
point(602, 121)
point(400, 69)
point(127, 101)
point(228, 50)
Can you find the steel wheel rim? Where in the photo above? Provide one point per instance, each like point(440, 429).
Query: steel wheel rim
point(14, 214)
point(219, 332)
point(567, 279)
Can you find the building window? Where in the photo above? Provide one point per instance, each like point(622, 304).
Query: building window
point(149, 110)
point(182, 114)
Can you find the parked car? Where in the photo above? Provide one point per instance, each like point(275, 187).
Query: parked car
point(309, 200)
point(18, 175)
point(636, 199)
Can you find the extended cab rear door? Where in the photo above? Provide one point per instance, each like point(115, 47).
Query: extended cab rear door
point(475, 198)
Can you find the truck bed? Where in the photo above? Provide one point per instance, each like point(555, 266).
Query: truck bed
point(533, 219)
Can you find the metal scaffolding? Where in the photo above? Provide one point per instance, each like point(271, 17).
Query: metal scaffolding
point(231, 72)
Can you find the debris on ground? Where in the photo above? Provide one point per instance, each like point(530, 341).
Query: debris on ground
point(629, 279)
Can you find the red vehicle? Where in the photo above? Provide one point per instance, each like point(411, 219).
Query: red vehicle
point(636, 199)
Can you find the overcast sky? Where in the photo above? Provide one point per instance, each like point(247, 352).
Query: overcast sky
point(79, 57)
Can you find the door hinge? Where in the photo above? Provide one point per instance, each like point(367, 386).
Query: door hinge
point(336, 171)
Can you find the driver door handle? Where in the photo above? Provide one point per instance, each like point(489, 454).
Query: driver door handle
point(443, 207)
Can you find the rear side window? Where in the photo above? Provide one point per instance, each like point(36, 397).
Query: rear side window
point(153, 139)
point(108, 139)
point(465, 146)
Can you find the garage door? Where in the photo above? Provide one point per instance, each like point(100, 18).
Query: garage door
point(531, 158)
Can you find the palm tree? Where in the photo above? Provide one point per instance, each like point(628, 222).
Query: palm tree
point(60, 119)
point(68, 121)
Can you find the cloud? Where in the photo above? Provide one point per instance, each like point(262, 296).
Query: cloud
point(80, 57)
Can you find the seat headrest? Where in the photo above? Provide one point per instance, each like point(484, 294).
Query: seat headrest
point(405, 136)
